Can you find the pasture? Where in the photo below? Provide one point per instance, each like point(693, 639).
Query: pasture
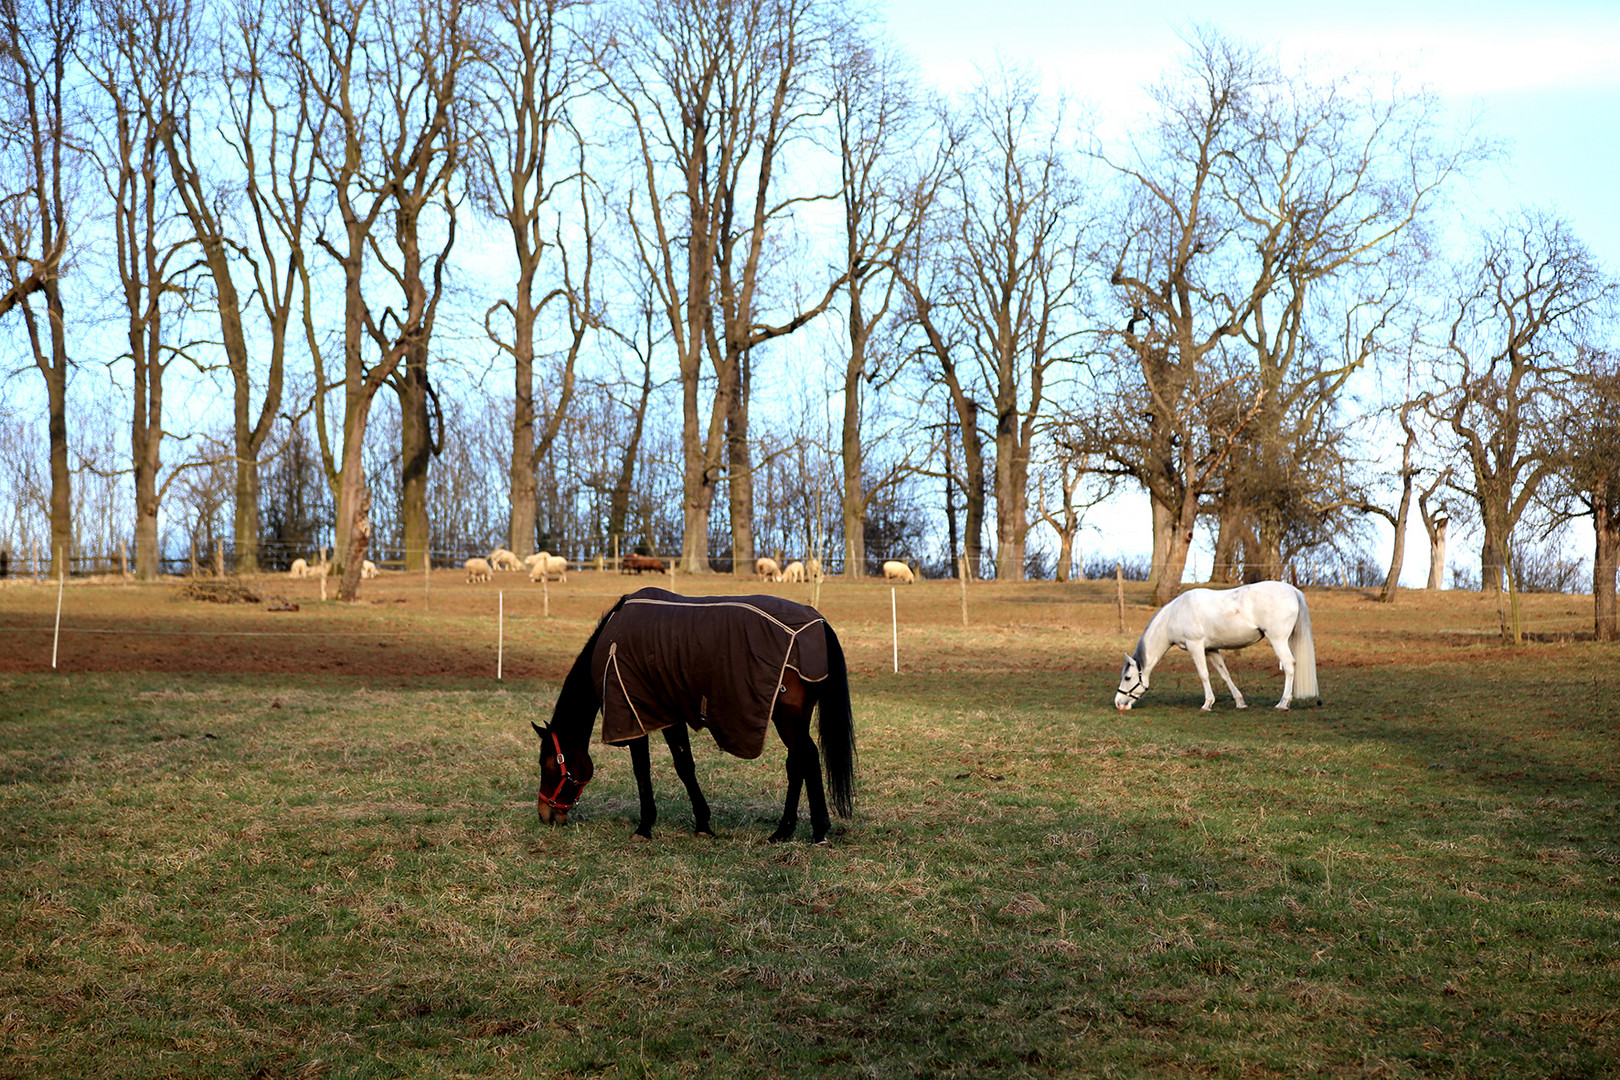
point(245, 843)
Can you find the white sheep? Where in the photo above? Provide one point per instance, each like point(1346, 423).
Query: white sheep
point(503, 559)
point(478, 570)
point(549, 566)
point(530, 560)
point(794, 571)
point(898, 571)
point(368, 569)
point(298, 569)
point(767, 570)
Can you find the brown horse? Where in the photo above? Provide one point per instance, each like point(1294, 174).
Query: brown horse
point(736, 665)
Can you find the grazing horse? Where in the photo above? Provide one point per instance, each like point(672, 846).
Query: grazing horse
point(737, 665)
point(1207, 621)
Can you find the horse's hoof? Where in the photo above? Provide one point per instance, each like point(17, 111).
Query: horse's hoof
point(645, 838)
point(1283, 706)
point(1207, 708)
point(779, 837)
point(707, 834)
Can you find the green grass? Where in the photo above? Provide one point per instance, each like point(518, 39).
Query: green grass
point(230, 876)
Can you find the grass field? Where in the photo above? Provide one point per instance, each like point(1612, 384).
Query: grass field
point(250, 844)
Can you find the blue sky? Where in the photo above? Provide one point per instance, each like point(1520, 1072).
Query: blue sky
point(1544, 78)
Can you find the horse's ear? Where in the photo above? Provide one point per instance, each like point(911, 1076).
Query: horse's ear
point(538, 730)
point(1129, 659)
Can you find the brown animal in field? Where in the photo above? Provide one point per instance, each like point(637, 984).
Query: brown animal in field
point(640, 564)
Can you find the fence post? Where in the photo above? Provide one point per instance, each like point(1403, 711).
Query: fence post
point(1119, 593)
point(219, 558)
point(894, 623)
point(961, 577)
point(123, 558)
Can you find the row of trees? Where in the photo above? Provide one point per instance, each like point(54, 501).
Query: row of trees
point(651, 217)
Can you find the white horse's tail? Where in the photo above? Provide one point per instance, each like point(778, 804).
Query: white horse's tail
point(1304, 650)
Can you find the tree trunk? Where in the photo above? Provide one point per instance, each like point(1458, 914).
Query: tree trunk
point(55, 371)
point(1397, 557)
point(1437, 530)
point(1492, 557)
point(521, 534)
point(1164, 530)
point(1179, 544)
point(1605, 562)
point(740, 475)
point(359, 543)
point(1229, 542)
point(416, 456)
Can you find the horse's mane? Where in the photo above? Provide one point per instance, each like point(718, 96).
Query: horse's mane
point(1140, 655)
point(578, 696)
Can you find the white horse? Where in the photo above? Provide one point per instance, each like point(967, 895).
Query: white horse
point(1207, 621)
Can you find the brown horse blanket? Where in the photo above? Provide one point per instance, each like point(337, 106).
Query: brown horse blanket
point(706, 661)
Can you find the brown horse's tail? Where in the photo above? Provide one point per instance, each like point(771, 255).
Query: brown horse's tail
point(837, 729)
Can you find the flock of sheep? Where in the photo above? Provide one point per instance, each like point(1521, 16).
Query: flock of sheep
point(549, 567)
point(540, 565)
point(302, 569)
point(768, 570)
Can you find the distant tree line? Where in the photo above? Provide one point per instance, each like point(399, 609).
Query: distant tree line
point(722, 278)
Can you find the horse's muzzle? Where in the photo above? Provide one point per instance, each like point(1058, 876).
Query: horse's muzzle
point(551, 815)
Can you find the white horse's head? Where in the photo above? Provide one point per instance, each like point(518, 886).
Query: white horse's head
point(1133, 683)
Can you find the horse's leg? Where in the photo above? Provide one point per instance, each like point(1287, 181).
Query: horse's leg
point(1285, 660)
point(1220, 669)
point(1195, 649)
point(795, 778)
point(641, 762)
point(680, 751)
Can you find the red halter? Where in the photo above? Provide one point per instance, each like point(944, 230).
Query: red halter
point(554, 800)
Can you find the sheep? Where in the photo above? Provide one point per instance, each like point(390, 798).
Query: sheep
point(549, 566)
point(503, 559)
point(898, 571)
point(478, 570)
point(767, 570)
point(298, 569)
point(793, 572)
point(368, 569)
point(530, 560)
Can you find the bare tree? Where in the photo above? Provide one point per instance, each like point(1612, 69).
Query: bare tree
point(1014, 260)
point(716, 92)
point(41, 155)
point(1588, 472)
point(139, 51)
point(1523, 312)
point(243, 97)
point(530, 153)
point(384, 76)
point(1328, 182)
point(1174, 247)
point(878, 123)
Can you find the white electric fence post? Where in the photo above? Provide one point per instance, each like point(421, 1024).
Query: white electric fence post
point(894, 623)
point(500, 634)
point(56, 638)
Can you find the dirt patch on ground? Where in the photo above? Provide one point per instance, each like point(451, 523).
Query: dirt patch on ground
point(406, 628)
